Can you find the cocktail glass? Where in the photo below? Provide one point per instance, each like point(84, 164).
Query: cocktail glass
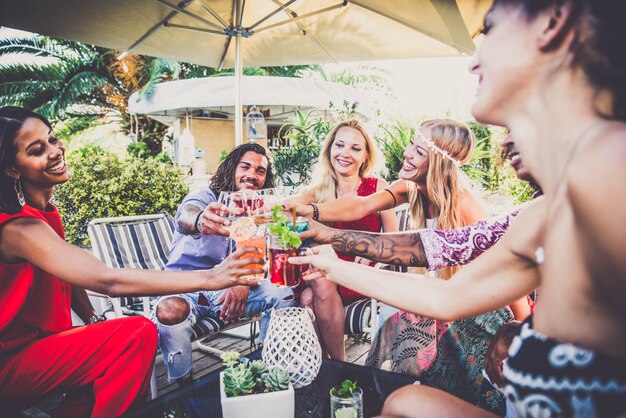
point(244, 232)
point(283, 273)
point(346, 407)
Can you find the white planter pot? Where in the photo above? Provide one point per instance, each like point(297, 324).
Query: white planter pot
point(279, 404)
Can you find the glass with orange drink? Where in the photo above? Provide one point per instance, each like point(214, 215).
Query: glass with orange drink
point(245, 232)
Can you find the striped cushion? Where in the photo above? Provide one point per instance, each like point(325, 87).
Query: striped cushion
point(207, 325)
point(358, 315)
point(132, 242)
point(402, 216)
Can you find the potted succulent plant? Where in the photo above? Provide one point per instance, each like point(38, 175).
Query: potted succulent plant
point(346, 400)
point(250, 387)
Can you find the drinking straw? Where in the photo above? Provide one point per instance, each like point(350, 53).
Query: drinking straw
point(293, 214)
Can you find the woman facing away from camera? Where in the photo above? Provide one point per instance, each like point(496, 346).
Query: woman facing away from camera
point(104, 367)
point(347, 161)
point(554, 73)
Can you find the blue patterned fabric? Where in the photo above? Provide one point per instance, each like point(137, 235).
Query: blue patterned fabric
point(549, 378)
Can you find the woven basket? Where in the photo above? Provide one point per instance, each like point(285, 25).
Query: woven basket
point(291, 343)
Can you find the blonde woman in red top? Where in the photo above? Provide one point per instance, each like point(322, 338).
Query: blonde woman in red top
point(345, 168)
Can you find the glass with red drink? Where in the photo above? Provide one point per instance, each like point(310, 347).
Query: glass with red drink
point(283, 273)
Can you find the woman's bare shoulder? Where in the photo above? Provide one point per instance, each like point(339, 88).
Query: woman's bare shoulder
point(472, 209)
point(399, 186)
point(17, 235)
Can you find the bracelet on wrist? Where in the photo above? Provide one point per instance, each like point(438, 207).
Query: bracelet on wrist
point(316, 211)
point(395, 202)
point(95, 318)
point(195, 224)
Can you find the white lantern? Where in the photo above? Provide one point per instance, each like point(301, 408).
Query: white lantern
point(291, 342)
point(186, 148)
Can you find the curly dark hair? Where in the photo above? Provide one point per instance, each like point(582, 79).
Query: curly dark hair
point(224, 177)
point(11, 120)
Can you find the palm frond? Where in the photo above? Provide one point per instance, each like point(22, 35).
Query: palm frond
point(29, 94)
point(36, 45)
point(29, 69)
point(80, 86)
point(290, 70)
point(160, 70)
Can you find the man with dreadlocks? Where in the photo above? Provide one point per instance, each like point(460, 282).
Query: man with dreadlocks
point(200, 242)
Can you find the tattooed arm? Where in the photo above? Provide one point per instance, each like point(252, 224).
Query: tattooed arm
point(424, 248)
point(402, 248)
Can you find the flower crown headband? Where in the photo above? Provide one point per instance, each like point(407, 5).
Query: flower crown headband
point(431, 144)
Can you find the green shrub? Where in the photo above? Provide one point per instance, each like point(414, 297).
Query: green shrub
point(141, 150)
point(293, 165)
point(105, 185)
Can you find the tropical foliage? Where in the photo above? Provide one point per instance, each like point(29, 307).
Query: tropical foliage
point(488, 166)
point(392, 142)
point(293, 163)
point(105, 185)
point(77, 85)
point(361, 76)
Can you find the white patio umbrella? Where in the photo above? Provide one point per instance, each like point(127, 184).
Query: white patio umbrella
point(266, 32)
point(171, 100)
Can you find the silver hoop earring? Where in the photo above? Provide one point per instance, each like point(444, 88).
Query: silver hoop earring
point(19, 192)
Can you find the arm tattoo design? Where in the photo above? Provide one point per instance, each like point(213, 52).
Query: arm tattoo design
point(425, 248)
point(399, 249)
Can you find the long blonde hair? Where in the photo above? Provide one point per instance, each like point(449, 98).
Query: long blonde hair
point(326, 185)
point(443, 180)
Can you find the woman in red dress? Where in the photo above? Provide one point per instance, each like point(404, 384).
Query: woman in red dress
point(346, 164)
point(104, 367)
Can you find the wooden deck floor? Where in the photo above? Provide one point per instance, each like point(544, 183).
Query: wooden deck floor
point(356, 352)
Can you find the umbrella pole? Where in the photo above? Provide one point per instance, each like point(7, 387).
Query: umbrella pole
point(238, 78)
point(238, 98)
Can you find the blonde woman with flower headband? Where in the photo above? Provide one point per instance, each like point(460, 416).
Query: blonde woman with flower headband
point(345, 168)
point(432, 183)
